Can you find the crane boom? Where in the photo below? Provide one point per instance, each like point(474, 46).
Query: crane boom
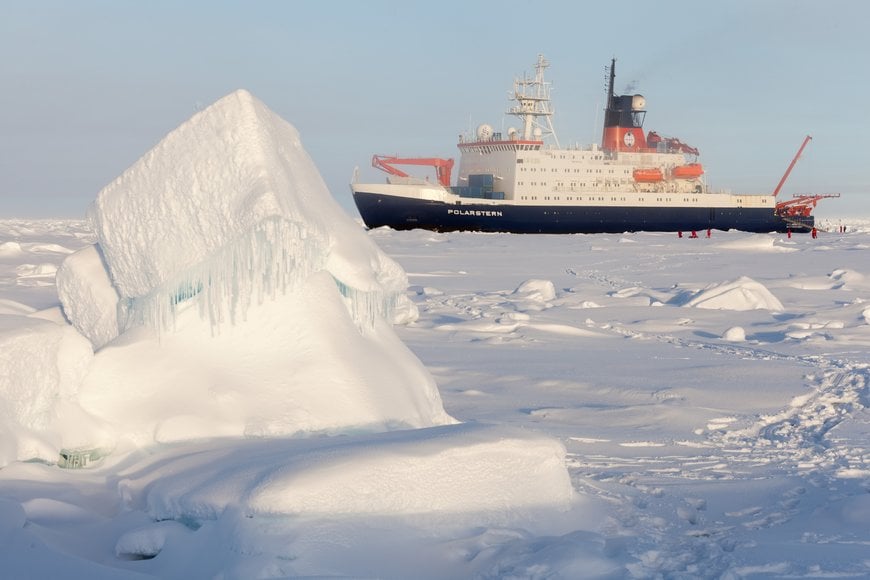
point(443, 167)
point(791, 166)
point(803, 204)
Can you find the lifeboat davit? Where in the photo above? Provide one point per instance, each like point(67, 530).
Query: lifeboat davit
point(690, 171)
point(653, 175)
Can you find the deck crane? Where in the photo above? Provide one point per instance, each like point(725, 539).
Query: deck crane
point(801, 205)
point(791, 166)
point(443, 167)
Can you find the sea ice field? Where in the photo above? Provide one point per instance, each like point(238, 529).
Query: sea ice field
point(710, 394)
point(219, 373)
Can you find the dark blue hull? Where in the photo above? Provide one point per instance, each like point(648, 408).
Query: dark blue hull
point(405, 214)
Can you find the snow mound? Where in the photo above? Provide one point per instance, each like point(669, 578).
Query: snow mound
point(88, 298)
point(741, 294)
point(10, 249)
point(536, 290)
point(441, 470)
point(735, 334)
point(42, 365)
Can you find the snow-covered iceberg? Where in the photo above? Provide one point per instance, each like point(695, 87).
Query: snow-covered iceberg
point(230, 205)
point(246, 301)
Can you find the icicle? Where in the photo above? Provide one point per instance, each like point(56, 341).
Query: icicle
point(272, 258)
point(366, 307)
point(275, 256)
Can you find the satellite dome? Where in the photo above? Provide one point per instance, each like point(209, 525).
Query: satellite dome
point(484, 132)
point(638, 103)
point(538, 132)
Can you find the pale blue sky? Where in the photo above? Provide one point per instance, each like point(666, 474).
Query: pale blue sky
point(89, 86)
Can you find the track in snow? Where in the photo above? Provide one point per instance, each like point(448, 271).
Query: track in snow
point(799, 440)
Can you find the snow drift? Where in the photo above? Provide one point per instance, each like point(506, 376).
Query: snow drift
point(472, 469)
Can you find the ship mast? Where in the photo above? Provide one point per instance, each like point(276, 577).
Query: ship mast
point(612, 75)
point(533, 104)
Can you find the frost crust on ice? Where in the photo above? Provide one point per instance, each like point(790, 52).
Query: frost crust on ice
point(203, 185)
point(87, 295)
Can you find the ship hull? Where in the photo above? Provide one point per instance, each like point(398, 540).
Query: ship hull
point(403, 213)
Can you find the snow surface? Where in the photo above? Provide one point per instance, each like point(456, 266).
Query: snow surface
point(699, 443)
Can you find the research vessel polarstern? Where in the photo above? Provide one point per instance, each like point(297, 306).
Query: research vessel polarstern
point(525, 182)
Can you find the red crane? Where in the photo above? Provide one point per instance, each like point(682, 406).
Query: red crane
point(801, 205)
point(791, 166)
point(443, 167)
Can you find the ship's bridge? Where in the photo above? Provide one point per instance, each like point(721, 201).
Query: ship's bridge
point(485, 141)
point(496, 143)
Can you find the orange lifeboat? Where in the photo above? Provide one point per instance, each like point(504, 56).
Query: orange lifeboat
point(690, 171)
point(652, 175)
